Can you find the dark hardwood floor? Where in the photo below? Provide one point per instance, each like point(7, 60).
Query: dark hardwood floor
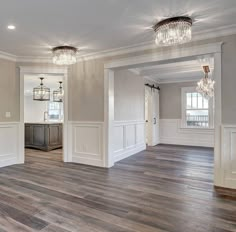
point(165, 188)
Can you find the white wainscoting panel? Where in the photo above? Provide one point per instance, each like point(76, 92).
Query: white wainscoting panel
point(9, 143)
point(228, 155)
point(87, 143)
point(172, 133)
point(129, 138)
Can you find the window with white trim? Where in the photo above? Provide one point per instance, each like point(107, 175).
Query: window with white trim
point(197, 111)
point(55, 111)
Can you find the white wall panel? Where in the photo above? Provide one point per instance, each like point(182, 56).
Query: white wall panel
point(87, 143)
point(9, 138)
point(172, 133)
point(228, 155)
point(129, 138)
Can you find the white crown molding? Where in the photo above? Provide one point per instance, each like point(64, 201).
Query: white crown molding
point(7, 56)
point(206, 34)
point(137, 72)
point(178, 80)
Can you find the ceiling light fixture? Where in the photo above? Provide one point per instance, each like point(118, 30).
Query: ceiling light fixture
point(172, 31)
point(206, 85)
point(11, 27)
point(58, 94)
point(64, 55)
point(41, 93)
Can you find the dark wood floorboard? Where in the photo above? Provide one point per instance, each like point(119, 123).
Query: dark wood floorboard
point(165, 188)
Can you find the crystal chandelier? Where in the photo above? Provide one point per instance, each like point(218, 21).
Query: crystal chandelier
point(206, 85)
point(41, 93)
point(64, 55)
point(172, 31)
point(58, 94)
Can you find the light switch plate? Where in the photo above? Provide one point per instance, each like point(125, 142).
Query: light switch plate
point(8, 114)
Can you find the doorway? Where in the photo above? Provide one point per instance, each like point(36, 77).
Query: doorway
point(52, 114)
point(178, 54)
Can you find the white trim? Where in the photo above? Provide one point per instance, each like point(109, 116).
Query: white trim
point(154, 58)
point(46, 70)
point(185, 90)
point(228, 159)
point(190, 78)
point(177, 54)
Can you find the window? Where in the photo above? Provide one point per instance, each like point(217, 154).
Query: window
point(197, 112)
point(55, 111)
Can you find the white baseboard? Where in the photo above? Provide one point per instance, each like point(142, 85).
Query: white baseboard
point(9, 143)
point(86, 143)
point(172, 133)
point(129, 152)
point(129, 138)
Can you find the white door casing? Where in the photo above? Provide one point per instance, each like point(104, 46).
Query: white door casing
point(45, 70)
point(179, 54)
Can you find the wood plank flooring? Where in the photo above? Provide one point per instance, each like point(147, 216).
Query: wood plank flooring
point(165, 188)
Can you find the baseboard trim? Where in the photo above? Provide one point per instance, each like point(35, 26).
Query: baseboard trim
point(129, 152)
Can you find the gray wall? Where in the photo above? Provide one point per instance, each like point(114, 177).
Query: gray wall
point(9, 91)
point(128, 96)
point(170, 99)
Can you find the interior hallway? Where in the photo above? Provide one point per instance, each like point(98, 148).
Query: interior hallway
point(165, 188)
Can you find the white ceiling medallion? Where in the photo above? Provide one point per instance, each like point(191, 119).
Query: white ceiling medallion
point(206, 85)
point(172, 31)
point(64, 55)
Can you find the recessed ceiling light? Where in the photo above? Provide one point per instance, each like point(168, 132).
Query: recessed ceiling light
point(11, 27)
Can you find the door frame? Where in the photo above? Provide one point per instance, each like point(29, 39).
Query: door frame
point(24, 70)
point(175, 54)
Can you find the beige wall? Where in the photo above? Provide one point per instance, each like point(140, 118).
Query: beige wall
point(86, 91)
point(128, 96)
point(86, 87)
point(170, 99)
point(9, 91)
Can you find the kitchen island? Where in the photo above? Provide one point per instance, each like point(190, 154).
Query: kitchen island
point(45, 136)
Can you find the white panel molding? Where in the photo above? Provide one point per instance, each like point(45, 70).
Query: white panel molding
point(229, 155)
point(129, 138)
point(9, 143)
point(172, 133)
point(86, 146)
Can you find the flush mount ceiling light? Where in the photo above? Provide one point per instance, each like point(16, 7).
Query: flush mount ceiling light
point(41, 93)
point(172, 31)
point(58, 94)
point(64, 55)
point(206, 85)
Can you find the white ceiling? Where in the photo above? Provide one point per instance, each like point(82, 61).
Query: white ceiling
point(183, 71)
point(50, 81)
point(100, 25)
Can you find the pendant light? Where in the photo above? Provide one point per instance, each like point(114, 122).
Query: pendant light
point(41, 93)
point(206, 85)
point(58, 94)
